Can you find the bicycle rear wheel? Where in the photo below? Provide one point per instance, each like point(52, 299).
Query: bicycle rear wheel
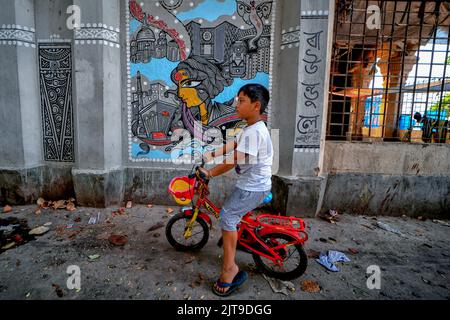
point(294, 257)
point(175, 233)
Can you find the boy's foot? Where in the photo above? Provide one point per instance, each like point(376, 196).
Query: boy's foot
point(224, 289)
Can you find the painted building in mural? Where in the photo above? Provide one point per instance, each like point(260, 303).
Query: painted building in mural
point(99, 99)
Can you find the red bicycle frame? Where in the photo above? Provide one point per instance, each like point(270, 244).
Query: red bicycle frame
point(250, 230)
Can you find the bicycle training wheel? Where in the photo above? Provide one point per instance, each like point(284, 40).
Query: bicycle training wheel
point(175, 233)
point(294, 257)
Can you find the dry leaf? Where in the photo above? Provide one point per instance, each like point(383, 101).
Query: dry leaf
point(310, 286)
point(129, 205)
point(38, 231)
point(40, 202)
point(60, 204)
point(71, 206)
point(7, 209)
point(169, 210)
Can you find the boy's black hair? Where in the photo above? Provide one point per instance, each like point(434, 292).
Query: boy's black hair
point(256, 92)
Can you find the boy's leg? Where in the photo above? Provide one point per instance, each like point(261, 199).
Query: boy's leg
point(229, 267)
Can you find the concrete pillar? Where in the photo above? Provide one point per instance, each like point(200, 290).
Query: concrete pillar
point(98, 174)
point(20, 142)
point(313, 81)
point(303, 68)
point(19, 94)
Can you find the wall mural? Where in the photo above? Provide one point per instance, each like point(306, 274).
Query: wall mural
point(187, 60)
point(55, 71)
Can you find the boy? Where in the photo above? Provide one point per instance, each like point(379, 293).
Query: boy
point(252, 158)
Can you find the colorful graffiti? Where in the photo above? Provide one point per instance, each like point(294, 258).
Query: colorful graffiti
point(187, 62)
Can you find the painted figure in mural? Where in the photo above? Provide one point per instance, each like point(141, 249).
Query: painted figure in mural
point(253, 15)
point(198, 82)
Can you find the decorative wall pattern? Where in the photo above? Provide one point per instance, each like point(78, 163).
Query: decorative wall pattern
point(17, 35)
point(97, 33)
point(55, 70)
point(186, 63)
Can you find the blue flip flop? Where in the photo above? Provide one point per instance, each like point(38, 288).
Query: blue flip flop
point(238, 280)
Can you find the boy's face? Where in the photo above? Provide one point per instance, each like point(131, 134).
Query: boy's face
point(245, 108)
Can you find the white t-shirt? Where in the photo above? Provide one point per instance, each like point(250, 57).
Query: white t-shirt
point(256, 173)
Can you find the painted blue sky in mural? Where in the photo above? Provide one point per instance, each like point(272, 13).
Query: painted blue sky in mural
point(209, 10)
point(155, 70)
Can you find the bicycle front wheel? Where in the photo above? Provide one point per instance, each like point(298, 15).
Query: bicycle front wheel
point(175, 230)
point(294, 258)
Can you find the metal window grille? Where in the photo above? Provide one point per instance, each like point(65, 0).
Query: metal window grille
point(390, 74)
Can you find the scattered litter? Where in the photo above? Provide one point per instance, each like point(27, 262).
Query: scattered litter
point(331, 216)
point(58, 290)
point(156, 226)
point(310, 286)
point(28, 295)
point(93, 257)
point(426, 281)
point(77, 219)
point(313, 253)
point(118, 240)
point(48, 224)
point(442, 222)
point(190, 259)
point(201, 279)
point(149, 206)
point(353, 251)
point(169, 210)
point(156, 235)
point(129, 205)
point(119, 212)
point(328, 260)
point(279, 286)
point(70, 226)
point(7, 209)
point(38, 231)
point(387, 227)
point(92, 220)
point(421, 218)
point(323, 240)
point(332, 239)
point(38, 211)
point(9, 246)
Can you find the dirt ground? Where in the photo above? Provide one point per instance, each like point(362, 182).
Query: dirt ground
point(414, 264)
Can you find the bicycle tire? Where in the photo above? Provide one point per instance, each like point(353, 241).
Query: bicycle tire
point(179, 246)
point(290, 275)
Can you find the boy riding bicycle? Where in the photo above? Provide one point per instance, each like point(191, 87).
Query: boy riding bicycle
point(252, 154)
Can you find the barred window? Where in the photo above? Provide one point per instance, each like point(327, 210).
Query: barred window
point(390, 72)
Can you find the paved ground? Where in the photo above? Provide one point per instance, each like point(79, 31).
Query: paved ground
point(414, 265)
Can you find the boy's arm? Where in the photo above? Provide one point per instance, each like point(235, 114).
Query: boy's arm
point(229, 163)
point(226, 148)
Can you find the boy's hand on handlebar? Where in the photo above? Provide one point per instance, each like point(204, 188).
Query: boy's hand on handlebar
point(205, 172)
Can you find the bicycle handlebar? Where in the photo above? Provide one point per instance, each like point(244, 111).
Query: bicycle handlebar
point(199, 173)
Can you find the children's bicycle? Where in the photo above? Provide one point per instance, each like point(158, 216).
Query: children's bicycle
point(275, 242)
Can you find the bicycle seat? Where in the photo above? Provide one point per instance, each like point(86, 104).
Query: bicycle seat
point(267, 199)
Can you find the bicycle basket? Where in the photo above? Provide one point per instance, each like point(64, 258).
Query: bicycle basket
point(290, 223)
point(182, 189)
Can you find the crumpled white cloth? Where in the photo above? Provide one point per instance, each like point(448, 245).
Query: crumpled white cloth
point(328, 260)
